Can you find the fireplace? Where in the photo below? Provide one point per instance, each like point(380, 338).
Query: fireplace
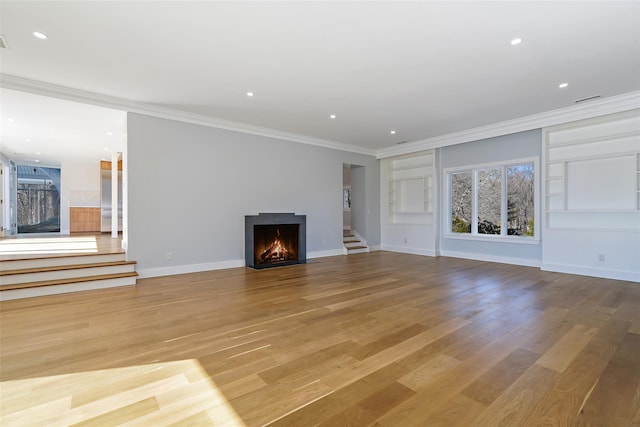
point(275, 239)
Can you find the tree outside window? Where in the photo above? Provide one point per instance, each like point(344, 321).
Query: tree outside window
point(493, 201)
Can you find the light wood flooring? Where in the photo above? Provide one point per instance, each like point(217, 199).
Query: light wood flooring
point(381, 339)
point(25, 246)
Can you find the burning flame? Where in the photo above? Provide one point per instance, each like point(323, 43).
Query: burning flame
point(276, 251)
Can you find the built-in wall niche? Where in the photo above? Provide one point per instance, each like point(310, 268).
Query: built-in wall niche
point(592, 174)
point(411, 186)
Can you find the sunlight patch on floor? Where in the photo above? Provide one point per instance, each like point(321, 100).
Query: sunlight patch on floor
point(48, 245)
point(156, 394)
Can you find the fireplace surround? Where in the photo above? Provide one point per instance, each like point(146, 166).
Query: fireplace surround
point(275, 239)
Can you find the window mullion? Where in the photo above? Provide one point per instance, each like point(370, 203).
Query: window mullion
point(504, 220)
point(474, 202)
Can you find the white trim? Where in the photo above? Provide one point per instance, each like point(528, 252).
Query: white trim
point(614, 104)
point(47, 89)
point(189, 268)
point(525, 240)
point(631, 276)
point(220, 265)
point(12, 294)
point(375, 248)
point(406, 250)
point(322, 254)
point(492, 258)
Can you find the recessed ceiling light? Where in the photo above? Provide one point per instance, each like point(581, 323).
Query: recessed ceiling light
point(10, 120)
point(249, 93)
point(393, 132)
point(37, 153)
point(40, 35)
point(516, 41)
point(333, 116)
point(106, 148)
point(563, 85)
point(109, 133)
point(28, 139)
point(37, 161)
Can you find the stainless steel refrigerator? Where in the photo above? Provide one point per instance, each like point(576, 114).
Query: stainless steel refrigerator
point(106, 211)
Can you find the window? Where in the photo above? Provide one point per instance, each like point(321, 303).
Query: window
point(492, 200)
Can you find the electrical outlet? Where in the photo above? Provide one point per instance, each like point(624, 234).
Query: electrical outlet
point(168, 256)
point(405, 240)
point(601, 257)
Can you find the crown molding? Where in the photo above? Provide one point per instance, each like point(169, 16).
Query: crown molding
point(70, 94)
point(610, 105)
point(601, 107)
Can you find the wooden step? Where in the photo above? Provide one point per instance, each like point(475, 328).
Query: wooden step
point(53, 287)
point(57, 260)
point(358, 250)
point(67, 281)
point(355, 244)
point(350, 239)
point(63, 267)
point(64, 272)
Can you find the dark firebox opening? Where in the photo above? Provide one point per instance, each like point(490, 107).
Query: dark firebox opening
point(275, 244)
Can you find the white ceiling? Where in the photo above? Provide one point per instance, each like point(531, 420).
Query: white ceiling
point(421, 68)
point(48, 131)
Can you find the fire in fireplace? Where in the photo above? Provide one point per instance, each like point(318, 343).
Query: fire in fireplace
point(275, 243)
point(275, 239)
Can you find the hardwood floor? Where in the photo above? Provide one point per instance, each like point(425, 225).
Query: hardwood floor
point(25, 246)
point(381, 339)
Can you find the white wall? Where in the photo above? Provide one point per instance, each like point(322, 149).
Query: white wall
point(80, 182)
point(190, 186)
point(358, 200)
point(409, 232)
point(592, 219)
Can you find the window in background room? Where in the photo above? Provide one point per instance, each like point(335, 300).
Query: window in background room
point(38, 199)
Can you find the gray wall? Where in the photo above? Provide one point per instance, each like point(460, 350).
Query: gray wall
point(503, 148)
point(359, 200)
point(190, 186)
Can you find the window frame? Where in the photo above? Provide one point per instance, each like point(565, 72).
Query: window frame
point(474, 235)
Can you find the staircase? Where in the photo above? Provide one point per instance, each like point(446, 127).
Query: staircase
point(353, 242)
point(47, 275)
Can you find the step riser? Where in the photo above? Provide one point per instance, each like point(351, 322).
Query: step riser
point(353, 245)
point(24, 264)
point(65, 274)
point(61, 289)
point(357, 251)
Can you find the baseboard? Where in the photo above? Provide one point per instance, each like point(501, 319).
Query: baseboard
point(375, 248)
point(407, 250)
point(189, 268)
point(630, 276)
point(221, 265)
point(322, 254)
point(492, 258)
